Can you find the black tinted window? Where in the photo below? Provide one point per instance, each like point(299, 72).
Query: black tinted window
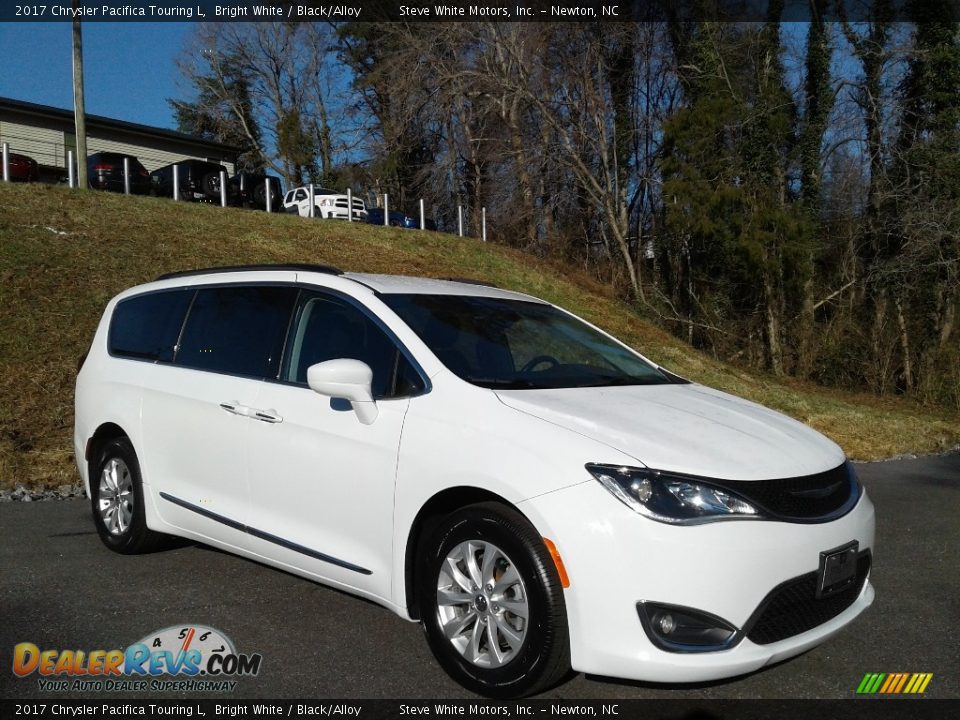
point(518, 344)
point(147, 326)
point(329, 329)
point(237, 330)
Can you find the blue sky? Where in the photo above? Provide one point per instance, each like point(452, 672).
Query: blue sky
point(130, 67)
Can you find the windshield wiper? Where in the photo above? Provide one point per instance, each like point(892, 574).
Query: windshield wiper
point(503, 383)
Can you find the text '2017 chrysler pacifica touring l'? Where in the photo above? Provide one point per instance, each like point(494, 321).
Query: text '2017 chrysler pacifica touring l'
point(533, 491)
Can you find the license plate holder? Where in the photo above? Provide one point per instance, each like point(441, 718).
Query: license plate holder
point(838, 569)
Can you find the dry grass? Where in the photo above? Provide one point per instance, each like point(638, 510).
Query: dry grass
point(63, 254)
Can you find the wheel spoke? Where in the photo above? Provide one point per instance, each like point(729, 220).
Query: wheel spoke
point(476, 575)
point(457, 575)
point(517, 607)
point(496, 653)
point(490, 557)
point(126, 514)
point(452, 596)
point(473, 648)
point(514, 639)
point(456, 627)
point(509, 578)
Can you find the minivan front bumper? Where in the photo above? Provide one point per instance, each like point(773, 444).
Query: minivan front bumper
point(617, 559)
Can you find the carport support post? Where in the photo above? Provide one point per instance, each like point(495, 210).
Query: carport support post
point(71, 178)
point(386, 211)
point(423, 217)
point(312, 201)
point(349, 205)
point(269, 187)
point(6, 162)
point(126, 176)
point(223, 188)
point(176, 183)
point(483, 223)
point(460, 220)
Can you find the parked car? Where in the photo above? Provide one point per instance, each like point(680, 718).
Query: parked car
point(532, 490)
point(399, 219)
point(105, 172)
point(328, 204)
point(198, 180)
point(23, 168)
point(250, 190)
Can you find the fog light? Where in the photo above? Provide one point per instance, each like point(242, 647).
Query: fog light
point(666, 624)
point(681, 629)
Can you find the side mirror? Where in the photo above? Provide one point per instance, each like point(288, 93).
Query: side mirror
point(347, 379)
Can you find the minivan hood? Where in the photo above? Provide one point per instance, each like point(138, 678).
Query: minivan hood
point(686, 428)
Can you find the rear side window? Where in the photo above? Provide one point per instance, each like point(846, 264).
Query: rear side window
point(146, 327)
point(237, 330)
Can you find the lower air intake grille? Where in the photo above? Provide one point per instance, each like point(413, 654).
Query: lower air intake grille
point(793, 608)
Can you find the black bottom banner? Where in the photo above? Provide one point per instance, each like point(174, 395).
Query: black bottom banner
point(872, 709)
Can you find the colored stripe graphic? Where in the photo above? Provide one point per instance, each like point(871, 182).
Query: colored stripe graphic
point(894, 683)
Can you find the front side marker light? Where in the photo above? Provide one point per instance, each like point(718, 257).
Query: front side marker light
point(557, 562)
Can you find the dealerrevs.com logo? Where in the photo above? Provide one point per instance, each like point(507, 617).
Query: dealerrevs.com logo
point(199, 658)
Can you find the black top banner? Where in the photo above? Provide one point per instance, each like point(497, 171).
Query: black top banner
point(419, 11)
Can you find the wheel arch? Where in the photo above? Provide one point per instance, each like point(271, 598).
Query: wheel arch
point(101, 436)
point(430, 515)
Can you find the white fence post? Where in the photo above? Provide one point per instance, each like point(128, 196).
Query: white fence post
point(126, 176)
point(460, 220)
point(386, 210)
point(223, 188)
point(176, 183)
point(71, 177)
point(268, 184)
point(349, 205)
point(6, 162)
point(484, 223)
point(311, 199)
point(423, 216)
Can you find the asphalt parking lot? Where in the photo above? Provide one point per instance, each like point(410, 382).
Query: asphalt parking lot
point(60, 588)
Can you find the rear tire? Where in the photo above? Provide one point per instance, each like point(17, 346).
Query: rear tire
point(116, 500)
point(492, 604)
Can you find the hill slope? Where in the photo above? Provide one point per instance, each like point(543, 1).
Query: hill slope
point(63, 254)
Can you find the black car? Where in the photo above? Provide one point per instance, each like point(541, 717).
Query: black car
point(199, 180)
point(105, 172)
point(250, 190)
point(399, 219)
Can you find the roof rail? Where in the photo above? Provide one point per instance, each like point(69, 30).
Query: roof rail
point(305, 267)
point(469, 281)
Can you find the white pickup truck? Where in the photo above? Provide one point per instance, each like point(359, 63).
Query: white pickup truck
point(328, 204)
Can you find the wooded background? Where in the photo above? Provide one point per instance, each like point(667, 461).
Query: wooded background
point(781, 195)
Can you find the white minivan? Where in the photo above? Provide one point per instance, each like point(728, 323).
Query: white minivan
point(532, 490)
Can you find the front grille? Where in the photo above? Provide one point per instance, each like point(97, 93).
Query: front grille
point(810, 497)
point(792, 607)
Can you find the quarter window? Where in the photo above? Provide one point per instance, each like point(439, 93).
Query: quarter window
point(237, 330)
point(146, 327)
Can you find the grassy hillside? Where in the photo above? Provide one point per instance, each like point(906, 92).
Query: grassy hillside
point(63, 254)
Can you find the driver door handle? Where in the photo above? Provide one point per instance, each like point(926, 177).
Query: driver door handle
point(267, 416)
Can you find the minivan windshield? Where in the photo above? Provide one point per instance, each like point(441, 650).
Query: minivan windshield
point(516, 344)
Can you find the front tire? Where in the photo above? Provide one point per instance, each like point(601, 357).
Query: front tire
point(116, 497)
point(492, 604)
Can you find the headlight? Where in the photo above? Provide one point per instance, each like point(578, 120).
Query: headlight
point(670, 498)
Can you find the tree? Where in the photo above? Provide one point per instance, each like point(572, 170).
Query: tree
point(262, 86)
